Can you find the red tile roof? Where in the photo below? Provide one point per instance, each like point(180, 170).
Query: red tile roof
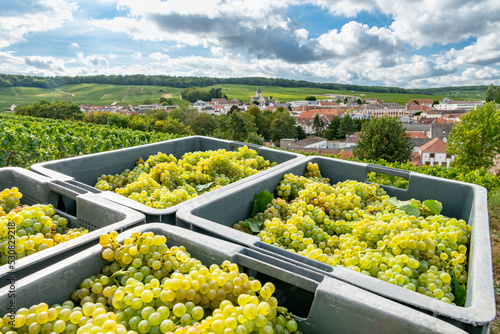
point(415, 134)
point(304, 108)
point(326, 114)
point(415, 107)
point(436, 145)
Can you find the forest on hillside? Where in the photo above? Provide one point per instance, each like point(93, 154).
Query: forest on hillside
point(9, 80)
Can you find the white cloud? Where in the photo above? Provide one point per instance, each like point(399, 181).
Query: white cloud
point(45, 15)
point(45, 63)
point(75, 45)
point(423, 23)
point(481, 74)
point(301, 35)
point(93, 61)
point(349, 8)
point(485, 51)
point(357, 39)
point(136, 55)
point(158, 56)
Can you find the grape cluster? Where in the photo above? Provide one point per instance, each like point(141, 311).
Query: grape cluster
point(352, 224)
point(9, 199)
point(163, 181)
point(148, 287)
point(25, 230)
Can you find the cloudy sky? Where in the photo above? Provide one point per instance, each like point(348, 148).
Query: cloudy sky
point(404, 43)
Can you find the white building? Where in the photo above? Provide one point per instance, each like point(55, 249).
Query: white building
point(200, 105)
point(448, 104)
point(434, 153)
point(385, 109)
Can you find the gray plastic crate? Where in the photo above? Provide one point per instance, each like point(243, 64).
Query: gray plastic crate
point(96, 214)
point(320, 304)
point(83, 171)
point(216, 214)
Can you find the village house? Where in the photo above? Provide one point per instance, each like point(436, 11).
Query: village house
point(306, 119)
point(371, 100)
point(385, 109)
point(327, 104)
point(433, 153)
point(423, 128)
point(295, 104)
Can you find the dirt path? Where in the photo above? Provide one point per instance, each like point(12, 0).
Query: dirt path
point(60, 91)
point(15, 92)
point(167, 95)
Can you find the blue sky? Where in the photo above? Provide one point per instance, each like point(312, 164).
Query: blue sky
point(402, 43)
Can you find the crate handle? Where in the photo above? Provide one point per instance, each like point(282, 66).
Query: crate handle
point(65, 189)
point(82, 186)
point(299, 276)
point(388, 171)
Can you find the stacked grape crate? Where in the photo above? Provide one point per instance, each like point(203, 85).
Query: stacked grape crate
point(200, 285)
point(43, 222)
point(426, 247)
point(157, 179)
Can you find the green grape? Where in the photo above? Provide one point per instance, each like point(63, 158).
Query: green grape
point(353, 224)
point(167, 326)
point(179, 310)
point(114, 301)
point(37, 227)
point(163, 181)
point(144, 326)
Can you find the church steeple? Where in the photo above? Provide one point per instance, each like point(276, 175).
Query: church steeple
point(258, 93)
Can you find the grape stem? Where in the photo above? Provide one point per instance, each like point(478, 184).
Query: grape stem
point(119, 273)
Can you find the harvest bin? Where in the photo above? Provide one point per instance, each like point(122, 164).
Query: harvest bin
point(95, 214)
point(215, 215)
point(319, 303)
point(83, 171)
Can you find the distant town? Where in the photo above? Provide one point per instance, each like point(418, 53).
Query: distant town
point(427, 122)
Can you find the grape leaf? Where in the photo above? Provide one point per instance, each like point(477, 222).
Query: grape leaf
point(458, 290)
point(201, 187)
point(254, 225)
point(260, 201)
point(393, 201)
point(434, 206)
point(410, 209)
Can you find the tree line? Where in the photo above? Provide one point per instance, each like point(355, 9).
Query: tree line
point(13, 80)
point(193, 94)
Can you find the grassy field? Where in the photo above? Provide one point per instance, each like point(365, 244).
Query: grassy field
point(464, 94)
point(286, 94)
point(95, 94)
point(103, 94)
